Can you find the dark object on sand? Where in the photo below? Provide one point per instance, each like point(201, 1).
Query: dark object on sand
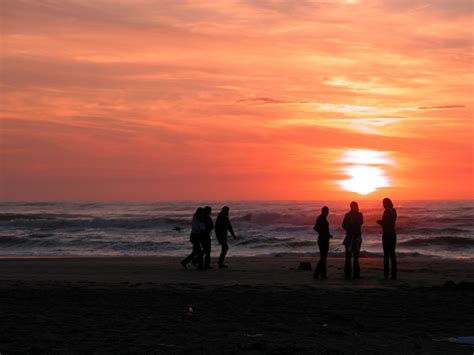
point(451, 285)
point(305, 266)
point(177, 228)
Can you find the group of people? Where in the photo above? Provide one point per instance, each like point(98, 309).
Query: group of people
point(352, 224)
point(203, 225)
point(201, 229)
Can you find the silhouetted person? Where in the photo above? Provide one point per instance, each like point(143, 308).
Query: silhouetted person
point(222, 227)
point(322, 227)
point(389, 238)
point(196, 230)
point(206, 237)
point(352, 223)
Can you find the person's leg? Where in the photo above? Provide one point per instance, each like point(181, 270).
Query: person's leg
point(206, 250)
point(356, 264)
point(207, 262)
point(199, 256)
point(394, 262)
point(190, 257)
point(386, 256)
point(324, 258)
point(317, 270)
point(224, 249)
point(347, 265)
point(202, 242)
point(197, 251)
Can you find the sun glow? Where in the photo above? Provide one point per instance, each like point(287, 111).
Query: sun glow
point(365, 170)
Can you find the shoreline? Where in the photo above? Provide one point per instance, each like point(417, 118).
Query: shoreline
point(413, 271)
point(363, 255)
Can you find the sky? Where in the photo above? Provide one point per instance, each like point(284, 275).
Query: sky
point(250, 99)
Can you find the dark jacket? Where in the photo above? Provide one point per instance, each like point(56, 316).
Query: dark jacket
point(352, 224)
point(388, 224)
point(322, 227)
point(222, 226)
point(209, 226)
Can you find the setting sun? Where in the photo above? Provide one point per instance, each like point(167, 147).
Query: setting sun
point(366, 172)
point(365, 179)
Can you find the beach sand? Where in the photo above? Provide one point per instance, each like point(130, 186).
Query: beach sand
point(258, 305)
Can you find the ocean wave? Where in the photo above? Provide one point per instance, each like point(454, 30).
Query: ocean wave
point(363, 254)
point(85, 243)
point(450, 242)
point(269, 218)
point(435, 230)
point(51, 221)
point(261, 239)
point(7, 240)
point(38, 216)
point(40, 235)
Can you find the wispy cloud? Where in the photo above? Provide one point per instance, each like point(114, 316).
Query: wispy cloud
point(443, 107)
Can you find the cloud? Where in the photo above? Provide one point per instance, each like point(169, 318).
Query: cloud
point(261, 101)
point(444, 107)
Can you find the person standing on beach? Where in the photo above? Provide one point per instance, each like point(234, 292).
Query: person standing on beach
point(197, 228)
point(206, 236)
point(322, 227)
point(222, 227)
point(389, 238)
point(352, 223)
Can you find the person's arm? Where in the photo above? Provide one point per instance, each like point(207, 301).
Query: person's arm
point(361, 219)
point(384, 221)
point(345, 223)
point(380, 221)
point(229, 227)
point(316, 226)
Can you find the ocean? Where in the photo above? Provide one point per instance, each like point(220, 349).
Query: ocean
point(264, 228)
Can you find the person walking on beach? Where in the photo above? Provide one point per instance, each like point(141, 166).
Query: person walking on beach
point(206, 237)
point(389, 238)
point(222, 227)
point(352, 223)
point(197, 229)
point(322, 227)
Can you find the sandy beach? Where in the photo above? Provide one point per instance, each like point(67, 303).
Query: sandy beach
point(258, 305)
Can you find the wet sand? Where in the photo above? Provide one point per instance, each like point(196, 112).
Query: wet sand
point(258, 305)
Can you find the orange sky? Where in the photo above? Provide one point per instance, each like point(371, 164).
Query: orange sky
point(256, 99)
